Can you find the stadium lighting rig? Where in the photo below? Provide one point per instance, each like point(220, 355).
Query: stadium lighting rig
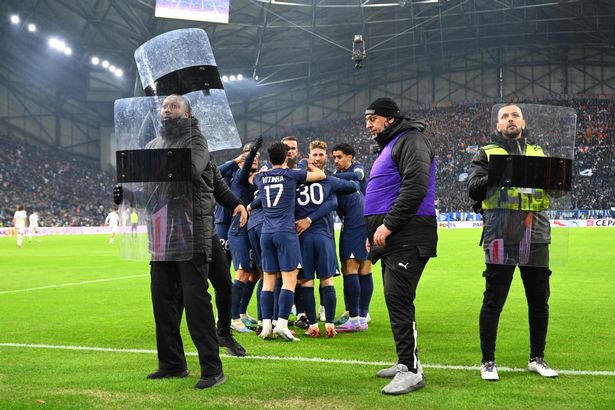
point(232, 77)
point(112, 68)
point(61, 46)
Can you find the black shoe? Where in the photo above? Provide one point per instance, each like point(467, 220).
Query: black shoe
point(210, 381)
point(302, 323)
point(232, 346)
point(168, 374)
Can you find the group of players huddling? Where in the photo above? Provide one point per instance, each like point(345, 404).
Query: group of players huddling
point(289, 240)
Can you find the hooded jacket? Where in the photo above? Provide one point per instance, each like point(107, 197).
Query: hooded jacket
point(401, 191)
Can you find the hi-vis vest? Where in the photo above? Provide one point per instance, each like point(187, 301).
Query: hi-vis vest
point(517, 199)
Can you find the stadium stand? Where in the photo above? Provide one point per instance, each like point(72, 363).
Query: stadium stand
point(69, 192)
point(64, 190)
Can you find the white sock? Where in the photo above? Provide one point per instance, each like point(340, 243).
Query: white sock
point(267, 325)
point(282, 324)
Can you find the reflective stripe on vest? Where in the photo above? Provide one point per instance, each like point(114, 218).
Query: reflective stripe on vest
point(517, 199)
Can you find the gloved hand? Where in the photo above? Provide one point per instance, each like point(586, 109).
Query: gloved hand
point(258, 143)
point(118, 194)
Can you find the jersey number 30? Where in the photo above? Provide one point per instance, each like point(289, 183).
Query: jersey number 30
point(313, 193)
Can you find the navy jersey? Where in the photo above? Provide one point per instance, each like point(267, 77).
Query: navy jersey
point(256, 216)
point(313, 200)
point(241, 187)
point(221, 214)
point(277, 188)
point(356, 172)
point(350, 209)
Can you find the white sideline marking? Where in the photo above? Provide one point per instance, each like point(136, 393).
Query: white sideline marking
point(303, 359)
point(86, 282)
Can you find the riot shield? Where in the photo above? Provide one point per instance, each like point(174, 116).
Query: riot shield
point(182, 62)
point(154, 168)
point(528, 182)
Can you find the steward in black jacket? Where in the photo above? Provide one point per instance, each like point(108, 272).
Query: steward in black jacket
point(401, 226)
point(412, 222)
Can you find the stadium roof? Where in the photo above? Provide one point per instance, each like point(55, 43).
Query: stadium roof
point(298, 43)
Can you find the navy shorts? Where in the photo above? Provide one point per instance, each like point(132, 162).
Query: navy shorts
point(242, 253)
point(318, 255)
point(352, 243)
point(254, 235)
point(222, 232)
point(280, 252)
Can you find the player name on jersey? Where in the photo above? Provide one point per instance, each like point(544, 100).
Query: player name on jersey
point(271, 179)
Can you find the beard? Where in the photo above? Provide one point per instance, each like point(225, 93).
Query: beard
point(513, 134)
point(173, 127)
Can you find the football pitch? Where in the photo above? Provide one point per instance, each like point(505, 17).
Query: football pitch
point(76, 331)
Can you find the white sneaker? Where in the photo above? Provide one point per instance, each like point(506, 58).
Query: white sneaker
point(266, 333)
point(390, 372)
point(285, 334)
point(489, 372)
point(404, 382)
point(538, 365)
point(238, 326)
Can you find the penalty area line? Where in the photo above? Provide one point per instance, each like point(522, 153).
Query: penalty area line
point(571, 372)
point(62, 285)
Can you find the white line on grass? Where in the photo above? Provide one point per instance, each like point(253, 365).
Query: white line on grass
point(303, 359)
point(61, 285)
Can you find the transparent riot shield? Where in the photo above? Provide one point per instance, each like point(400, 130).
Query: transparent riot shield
point(154, 166)
point(529, 181)
point(182, 62)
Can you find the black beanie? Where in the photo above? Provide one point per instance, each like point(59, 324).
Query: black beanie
point(385, 107)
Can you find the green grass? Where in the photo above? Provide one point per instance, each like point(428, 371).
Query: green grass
point(117, 314)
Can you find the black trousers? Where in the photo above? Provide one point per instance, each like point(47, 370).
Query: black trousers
point(220, 278)
point(177, 286)
point(401, 273)
point(536, 284)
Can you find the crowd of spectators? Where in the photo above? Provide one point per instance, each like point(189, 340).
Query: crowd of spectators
point(458, 130)
point(66, 191)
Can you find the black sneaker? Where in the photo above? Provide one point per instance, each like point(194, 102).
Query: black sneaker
point(168, 374)
point(210, 381)
point(232, 346)
point(302, 322)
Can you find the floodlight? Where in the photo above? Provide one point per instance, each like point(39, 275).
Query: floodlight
point(68, 51)
point(95, 60)
point(224, 78)
point(112, 68)
point(232, 78)
point(239, 77)
point(105, 64)
point(53, 42)
point(15, 19)
point(118, 72)
point(31, 27)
